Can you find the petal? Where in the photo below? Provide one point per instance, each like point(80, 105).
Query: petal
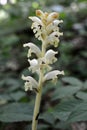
point(57, 22)
point(50, 53)
point(27, 86)
point(36, 19)
point(56, 34)
point(33, 49)
point(53, 74)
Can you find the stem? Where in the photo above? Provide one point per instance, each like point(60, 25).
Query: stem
point(36, 109)
point(37, 103)
point(43, 48)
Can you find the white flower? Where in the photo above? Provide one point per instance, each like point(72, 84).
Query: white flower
point(30, 84)
point(53, 38)
point(33, 49)
point(39, 30)
point(49, 57)
point(53, 26)
point(34, 66)
point(53, 75)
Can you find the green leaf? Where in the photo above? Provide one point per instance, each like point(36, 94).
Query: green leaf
point(79, 113)
point(42, 127)
point(66, 91)
point(85, 85)
point(62, 125)
point(82, 95)
point(61, 111)
point(16, 112)
point(17, 95)
point(15, 117)
point(5, 97)
point(47, 117)
point(64, 108)
point(72, 81)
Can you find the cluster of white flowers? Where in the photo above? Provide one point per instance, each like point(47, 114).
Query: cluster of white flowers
point(45, 28)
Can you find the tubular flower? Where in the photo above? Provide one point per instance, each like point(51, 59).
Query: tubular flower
point(53, 75)
point(32, 49)
point(49, 57)
point(34, 65)
point(30, 84)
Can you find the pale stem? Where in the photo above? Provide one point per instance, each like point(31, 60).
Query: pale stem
point(37, 103)
point(43, 48)
point(36, 110)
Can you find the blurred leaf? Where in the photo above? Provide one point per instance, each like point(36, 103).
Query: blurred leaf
point(16, 112)
point(42, 127)
point(62, 125)
point(73, 81)
point(17, 95)
point(5, 97)
point(9, 40)
point(66, 91)
point(85, 85)
point(79, 113)
point(61, 111)
point(82, 95)
point(48, 117)
point(64, 108)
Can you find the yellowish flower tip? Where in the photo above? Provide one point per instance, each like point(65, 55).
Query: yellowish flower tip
point(39, 13)
point(55, 15)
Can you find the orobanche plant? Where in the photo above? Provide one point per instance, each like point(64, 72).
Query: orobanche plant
point(45, 28)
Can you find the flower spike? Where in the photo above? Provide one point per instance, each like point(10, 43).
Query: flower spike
point(46, 29)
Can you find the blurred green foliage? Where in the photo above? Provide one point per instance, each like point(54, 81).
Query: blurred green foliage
point(63, 103)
